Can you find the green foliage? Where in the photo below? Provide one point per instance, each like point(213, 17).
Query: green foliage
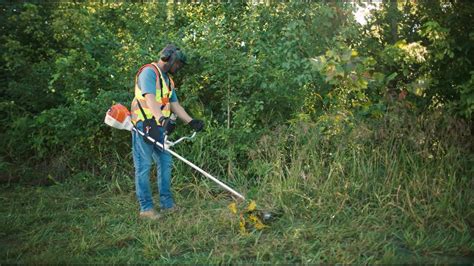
point(398, 191)
point(348, 75)
point(466, 105)
point(421, 44)
point(245, 61)
point(344, 127)
point(251, 65)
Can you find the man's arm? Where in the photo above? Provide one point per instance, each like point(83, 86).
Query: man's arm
point(177, 109)
point(154, 106)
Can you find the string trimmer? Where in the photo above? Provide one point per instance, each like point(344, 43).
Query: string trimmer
point(118, 117)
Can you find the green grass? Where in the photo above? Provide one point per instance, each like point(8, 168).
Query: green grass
point(348, 200)
point(68, 223)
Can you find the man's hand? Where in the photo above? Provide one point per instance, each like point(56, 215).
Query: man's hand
point(168, 125)
point(196, 124)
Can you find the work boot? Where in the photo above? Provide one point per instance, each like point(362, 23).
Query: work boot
point(170, 210)
point(150, 215)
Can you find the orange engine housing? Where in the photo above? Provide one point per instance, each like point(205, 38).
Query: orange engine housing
point(118, 112)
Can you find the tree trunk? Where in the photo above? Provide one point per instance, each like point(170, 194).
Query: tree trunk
point(170, 7)
point(393, 15)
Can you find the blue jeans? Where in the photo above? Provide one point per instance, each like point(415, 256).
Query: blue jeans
point(143, 156)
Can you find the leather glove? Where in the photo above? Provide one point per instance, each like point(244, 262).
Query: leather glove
point(168, 124)
point(196, 124)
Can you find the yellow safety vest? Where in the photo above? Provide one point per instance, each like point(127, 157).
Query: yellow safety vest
point(163, 96)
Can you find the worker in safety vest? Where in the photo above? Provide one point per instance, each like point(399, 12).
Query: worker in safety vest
point(155, 100)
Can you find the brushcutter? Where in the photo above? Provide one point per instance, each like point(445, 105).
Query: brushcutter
point(118, 117)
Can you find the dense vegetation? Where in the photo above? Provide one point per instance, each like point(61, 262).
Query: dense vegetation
point(359, 134)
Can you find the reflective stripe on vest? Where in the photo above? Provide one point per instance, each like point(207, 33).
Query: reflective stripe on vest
point(162, 96)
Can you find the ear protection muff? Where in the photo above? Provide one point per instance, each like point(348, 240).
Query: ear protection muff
point(168, 52)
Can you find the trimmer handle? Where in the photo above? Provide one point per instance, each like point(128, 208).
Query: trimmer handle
point(172, 143)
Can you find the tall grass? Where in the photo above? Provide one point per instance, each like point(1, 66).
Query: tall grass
point(398, 191)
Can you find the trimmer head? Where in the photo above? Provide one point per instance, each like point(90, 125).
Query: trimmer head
point(252, 218)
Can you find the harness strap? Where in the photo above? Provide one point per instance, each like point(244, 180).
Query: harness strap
point(141, 109)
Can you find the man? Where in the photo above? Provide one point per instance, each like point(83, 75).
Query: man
point(155, 98)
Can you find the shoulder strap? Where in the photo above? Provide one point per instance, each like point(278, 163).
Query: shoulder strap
point(141, 109)
point(170, 83)
point(157, 73)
